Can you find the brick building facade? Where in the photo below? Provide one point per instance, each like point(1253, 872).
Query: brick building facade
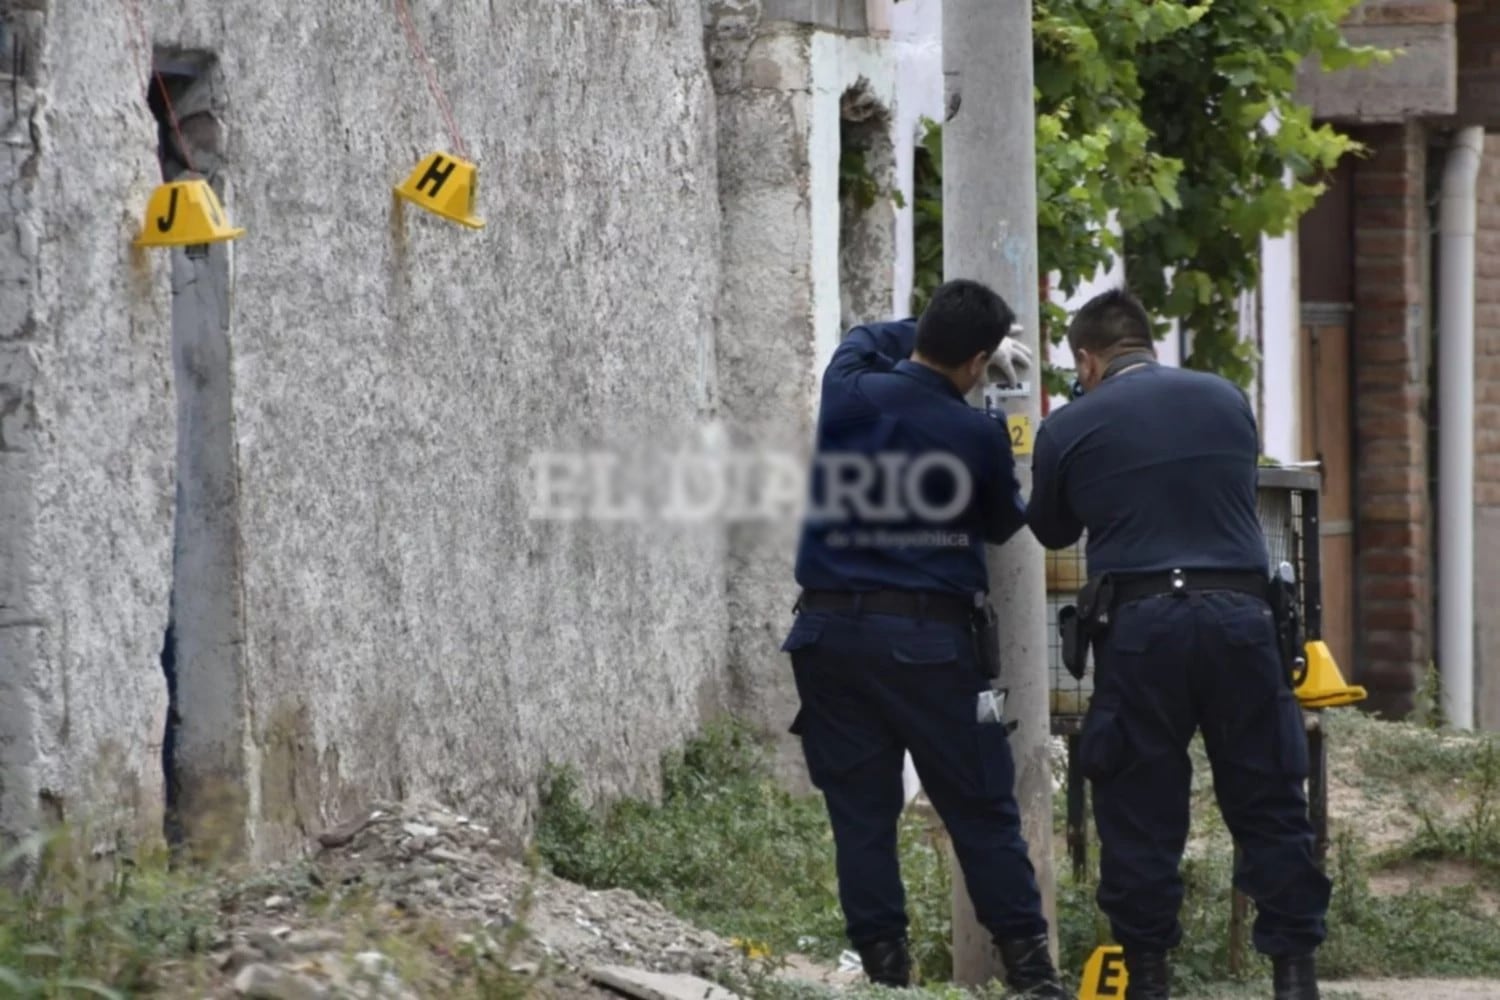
point(1487, 429)
point(1391, 355)
point(1367, 284)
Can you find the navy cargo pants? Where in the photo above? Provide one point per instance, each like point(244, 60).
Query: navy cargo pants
point(873, 686)
point(1168, 666)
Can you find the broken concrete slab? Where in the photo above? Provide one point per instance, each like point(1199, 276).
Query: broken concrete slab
point(658, 985)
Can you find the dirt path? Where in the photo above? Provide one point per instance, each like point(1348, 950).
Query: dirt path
point(1384, 989)
point(1419, 989)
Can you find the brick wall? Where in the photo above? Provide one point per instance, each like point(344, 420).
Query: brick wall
point(1479, 62)
point(1487, 438)
point(1487, 329)
point(1391, 355)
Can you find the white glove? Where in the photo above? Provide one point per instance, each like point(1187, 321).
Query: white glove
point(1010, 355)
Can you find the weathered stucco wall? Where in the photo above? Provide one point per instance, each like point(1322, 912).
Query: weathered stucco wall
point(86, 417)
point(767, 353)
point(781, 80)
point(403, 627)
point(408, 631)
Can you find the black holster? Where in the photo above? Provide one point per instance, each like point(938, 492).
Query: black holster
point(1282, 597)
point(987, 639)
point(1078, 625)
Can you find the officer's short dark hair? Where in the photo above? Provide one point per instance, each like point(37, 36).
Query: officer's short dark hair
point(963, 318)
point(1109, 322)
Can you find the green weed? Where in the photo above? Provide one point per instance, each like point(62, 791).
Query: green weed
point(73, 924)
point(728, 849)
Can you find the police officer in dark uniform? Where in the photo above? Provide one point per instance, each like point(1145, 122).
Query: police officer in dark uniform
point(908, 484)
point(1160, 466)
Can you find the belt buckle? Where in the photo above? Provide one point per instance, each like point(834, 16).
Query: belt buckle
point(1179, 583)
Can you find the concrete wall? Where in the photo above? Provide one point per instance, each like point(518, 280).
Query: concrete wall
point(86, 417)
point(404, 628)
point(1421, 81)
point(1279, 382)
point(782, 81)
point(766, 352)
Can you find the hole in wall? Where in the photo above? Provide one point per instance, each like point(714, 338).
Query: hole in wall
point(184, 87)
point(927, 220)
point(202, 748)
point(867, 210)
point(171, 823)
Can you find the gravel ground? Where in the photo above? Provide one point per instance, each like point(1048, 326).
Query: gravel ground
point(433, 878)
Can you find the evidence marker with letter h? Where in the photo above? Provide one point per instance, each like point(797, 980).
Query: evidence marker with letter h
point(446, 186)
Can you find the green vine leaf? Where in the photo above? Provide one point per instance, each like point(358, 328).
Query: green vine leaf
point(1158, 114)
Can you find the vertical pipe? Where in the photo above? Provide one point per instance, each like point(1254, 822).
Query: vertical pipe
point(1456, 226)
point(989, 234)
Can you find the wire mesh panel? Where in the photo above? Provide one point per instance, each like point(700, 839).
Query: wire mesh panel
point(1288, 502)
point(1066, 575)
point(1288, 511)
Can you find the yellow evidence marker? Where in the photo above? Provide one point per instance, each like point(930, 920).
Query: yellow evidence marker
point(185, 213)
point(1021, 435)
point(1104, 975)
point(1324, 686)
point(444, 185)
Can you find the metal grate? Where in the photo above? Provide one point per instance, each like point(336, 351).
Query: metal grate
point(1288, 510)
point(1066, 574)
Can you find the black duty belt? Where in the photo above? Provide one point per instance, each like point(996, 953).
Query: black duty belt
point(1135, 588)
point(949, 609)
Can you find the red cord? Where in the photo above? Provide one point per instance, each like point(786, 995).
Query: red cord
point(420, 54)
point(176, 128)
point(141, 38)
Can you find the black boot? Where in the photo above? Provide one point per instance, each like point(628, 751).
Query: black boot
point(887, 963)
point(1147, 977)
point(1029, 970)
point(1295, 978)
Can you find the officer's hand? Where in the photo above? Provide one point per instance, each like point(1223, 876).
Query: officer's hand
point(1010, 355)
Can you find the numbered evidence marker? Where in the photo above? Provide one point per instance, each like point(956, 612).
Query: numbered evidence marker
point(1021, 436)
point(444, 185)
point(1104, 974)
point(185, 213)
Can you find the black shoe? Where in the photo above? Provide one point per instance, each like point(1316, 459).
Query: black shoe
point(887, 963)
point(1029, 970)
point(1147, 977)
point(1295, 978)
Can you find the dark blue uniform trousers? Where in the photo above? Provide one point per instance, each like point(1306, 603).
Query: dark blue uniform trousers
point(1168, 666)
point(872, 687)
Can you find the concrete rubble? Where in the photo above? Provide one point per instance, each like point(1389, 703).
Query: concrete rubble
point(429, 867)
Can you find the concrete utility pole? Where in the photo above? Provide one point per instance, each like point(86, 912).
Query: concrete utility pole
point(989, 234)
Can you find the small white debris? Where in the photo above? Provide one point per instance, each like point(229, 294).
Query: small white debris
point(306, 942)
point(372, 964)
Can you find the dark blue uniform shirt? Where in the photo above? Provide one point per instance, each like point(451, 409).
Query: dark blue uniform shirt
point(1160, 465)
point(880, 414)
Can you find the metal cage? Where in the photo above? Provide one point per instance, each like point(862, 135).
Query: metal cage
point(1288, 509)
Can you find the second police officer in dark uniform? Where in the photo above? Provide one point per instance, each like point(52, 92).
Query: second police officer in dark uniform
point(909, 484)
point(1159, 465)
